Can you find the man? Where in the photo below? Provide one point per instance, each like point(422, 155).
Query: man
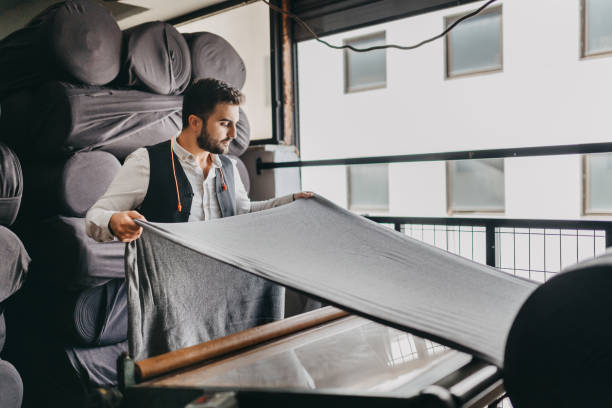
point(183, 179)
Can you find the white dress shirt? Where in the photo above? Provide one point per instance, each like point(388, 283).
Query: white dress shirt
point(129, 188)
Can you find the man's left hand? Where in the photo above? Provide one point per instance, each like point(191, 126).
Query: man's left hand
point(303, 194)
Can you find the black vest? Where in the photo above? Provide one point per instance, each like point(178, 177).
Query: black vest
point(161, 204)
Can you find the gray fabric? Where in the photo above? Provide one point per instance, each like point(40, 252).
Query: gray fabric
point(14, 263)
point(244, 173)
point(97, 366)
point(11, 185)
point(11, 386)
point(15, 122)
point(76, 118)
point(76, 40)
point(243, 136)
point(99, 315)
point(558, 352)
point(321, 249)
point(156, 58)
point(83, 262)
point(2, 331)
point(214, 57)
point(176, 300)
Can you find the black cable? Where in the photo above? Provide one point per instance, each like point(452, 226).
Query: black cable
point(378, 47)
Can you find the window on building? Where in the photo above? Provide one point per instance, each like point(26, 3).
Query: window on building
point(476, 185)
point(475, 45)
point(596, 27)
point(365, 70)
point(368, 187)
point(597, 190)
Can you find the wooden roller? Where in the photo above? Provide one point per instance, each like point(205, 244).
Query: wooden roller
point(165, 363)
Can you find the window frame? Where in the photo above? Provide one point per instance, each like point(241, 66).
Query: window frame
point(347, 41)
point(448, 52)
point(449, 185)
point(586, 175)
point(584, 38)
point(358, 208)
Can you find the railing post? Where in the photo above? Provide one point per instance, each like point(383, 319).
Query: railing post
point(608, 232)
point(398, 228)
point(490, 243)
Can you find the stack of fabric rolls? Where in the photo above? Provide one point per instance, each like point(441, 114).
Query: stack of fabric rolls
point(78, 95)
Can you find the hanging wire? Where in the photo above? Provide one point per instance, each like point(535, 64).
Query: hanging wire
point(377, 47)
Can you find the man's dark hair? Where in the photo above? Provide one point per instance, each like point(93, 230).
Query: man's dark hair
point(204, 94)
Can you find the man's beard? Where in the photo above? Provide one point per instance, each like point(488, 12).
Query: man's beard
point(204, 142)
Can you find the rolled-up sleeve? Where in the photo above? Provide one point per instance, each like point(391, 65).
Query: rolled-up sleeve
point(126, 192)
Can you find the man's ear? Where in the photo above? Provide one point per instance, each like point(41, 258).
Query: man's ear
point(195, 122)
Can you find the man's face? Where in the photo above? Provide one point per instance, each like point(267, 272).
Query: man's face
point(219, 129)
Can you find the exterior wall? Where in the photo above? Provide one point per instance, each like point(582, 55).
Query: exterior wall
point(545, 95)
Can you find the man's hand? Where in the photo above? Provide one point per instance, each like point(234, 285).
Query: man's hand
point(303, 194)
point(122, 225)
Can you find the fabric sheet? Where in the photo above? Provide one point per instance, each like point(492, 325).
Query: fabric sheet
point(11, 185)
point(14, 263)
point(213, 57)
point(323, 250)
point(244, 173)
point(83, 263)
point(559, 348)
point(98, 316)
point(156, 58)
point(11, 386)
point(97, 366)
point(78, 118)
point(75, 40)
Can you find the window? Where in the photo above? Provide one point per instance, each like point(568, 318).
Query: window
point(596, 27)
point(368, 187)
point(597, 186)
point(475, 45)
point(476, 185)
point(365, 70)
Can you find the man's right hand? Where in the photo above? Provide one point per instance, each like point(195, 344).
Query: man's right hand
point(122, 225)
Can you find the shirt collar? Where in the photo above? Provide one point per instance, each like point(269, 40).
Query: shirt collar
point(185, 156)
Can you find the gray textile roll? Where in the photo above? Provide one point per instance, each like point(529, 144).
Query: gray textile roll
point(11, 386)
point(243, 136)
point(83, 263)
point(11, 185)
point(97, 366)
point(214, 57)
point(14, 263)
point(75, 40)
point(78, 118)
point(156, 58)
point(558, 352)
point(244, 173)
point(2, 331)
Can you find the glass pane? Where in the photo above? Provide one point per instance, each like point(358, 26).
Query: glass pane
point(237, 27)
point(475, 44)
point(599, 26)
point(369, 187)
point(477, 185)
point(366, 69)
point(600, 182)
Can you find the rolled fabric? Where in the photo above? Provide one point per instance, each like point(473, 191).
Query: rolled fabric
point(243, 136)
point(558, 351)
point(244, 173)
point(77, 118)
point(75, 40)
point(2, 331)
point(99, 314)
point(11, 185)
point(11, 386)
point(14, 265)
point(214, 57)
point(71, 259)
point(97, 366)
point(156, 58)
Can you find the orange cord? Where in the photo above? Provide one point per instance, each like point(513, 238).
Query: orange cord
point(223, 179)
point(178, 197)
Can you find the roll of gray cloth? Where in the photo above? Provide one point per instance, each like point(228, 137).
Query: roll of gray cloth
point(97, 366)
point(78, 118)
point(243, 136)
point(14, 263)
point(2, 331)
point(244, 173)
point(74, 40)
point(156, 58)
point(11, 386)
point(558, 351)
point(72, 259)
point(214, 57)
point(99, 315)
point(11, 185)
